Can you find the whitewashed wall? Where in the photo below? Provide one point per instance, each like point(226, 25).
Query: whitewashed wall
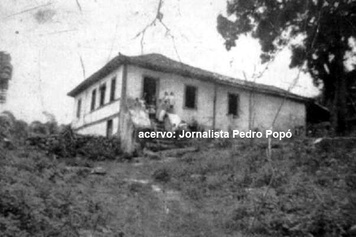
point(176, 84)
point(225, 121)
point(291, 113)
point(99, 128)
point(264, 106)
point(88, 117)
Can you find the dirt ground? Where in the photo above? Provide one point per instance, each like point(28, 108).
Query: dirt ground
point(137, 205)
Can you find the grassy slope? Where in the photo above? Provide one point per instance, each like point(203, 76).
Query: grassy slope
point(225, 190)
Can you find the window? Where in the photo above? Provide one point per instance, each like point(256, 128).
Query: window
point(113, 88)
point(109, 128)
point(93, 98)
point(190, 97)
point(102, 94)
point(233, 106)
point(79, 107)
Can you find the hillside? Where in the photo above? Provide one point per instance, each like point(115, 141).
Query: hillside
point(299, 189)
point(227, 188)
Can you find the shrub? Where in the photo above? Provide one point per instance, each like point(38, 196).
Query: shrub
point(36, 198)
point(99, 148)
point(67, 144)
point(300, 191)
point(161, 175)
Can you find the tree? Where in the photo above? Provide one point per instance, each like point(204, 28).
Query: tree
point(38, 128)
point(20, 131)
point(326, 29)
point(13, 129)
point(51, 124)
point(5, 74)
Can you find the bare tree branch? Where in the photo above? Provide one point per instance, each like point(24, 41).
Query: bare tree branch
point(175, 47)
point(58, 32)
point(284, 98)
point(273, 57)
point(254, 78)
point(27, 10)
point(269, 151)
point(158, 19)
point(79, 6)
point(113, 41)
point(82, 64)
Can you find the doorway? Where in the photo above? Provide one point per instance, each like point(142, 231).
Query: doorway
point(109, 128)
point(150, 90)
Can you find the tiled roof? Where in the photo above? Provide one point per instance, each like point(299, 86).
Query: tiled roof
point(158, 62)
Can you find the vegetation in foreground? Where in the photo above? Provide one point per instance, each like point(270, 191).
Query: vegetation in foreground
point(227, 188)
point(300, 190)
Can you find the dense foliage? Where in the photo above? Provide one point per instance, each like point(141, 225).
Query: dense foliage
point(230, 187)
point(303, 190)
point(38, 197)
point(327, 33)
point(5, 74)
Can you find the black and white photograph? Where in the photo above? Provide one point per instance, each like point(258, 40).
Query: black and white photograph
point(173, 118)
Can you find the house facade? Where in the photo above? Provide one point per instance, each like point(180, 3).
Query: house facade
point(213, 101)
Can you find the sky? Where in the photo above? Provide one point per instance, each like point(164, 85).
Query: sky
point(50, 40)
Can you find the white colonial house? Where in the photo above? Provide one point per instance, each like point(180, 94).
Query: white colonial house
point(212, 100)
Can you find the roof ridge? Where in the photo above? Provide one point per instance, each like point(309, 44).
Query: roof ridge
point(160, 62)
